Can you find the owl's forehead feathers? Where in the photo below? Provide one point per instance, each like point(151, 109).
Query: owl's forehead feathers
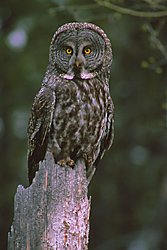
point(77, 26)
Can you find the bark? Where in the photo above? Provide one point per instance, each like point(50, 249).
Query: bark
point(53, 213)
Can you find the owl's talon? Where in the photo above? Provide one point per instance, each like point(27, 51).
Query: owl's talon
point(65, 162)
point(70, 163)
point(62, 163)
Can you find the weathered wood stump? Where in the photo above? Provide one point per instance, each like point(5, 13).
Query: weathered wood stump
point(53, 213)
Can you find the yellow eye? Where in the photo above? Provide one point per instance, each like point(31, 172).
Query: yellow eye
point(69, 51)
point(87, 51)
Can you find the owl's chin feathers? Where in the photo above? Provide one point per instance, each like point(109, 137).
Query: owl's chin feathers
point(69, 76)
point(87, 75)
point(84, 74)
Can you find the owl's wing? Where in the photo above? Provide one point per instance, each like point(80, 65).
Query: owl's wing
point(39, 128)
point(109, 132)
point(107, 139)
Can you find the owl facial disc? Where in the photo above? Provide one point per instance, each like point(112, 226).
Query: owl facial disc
point(80, 52)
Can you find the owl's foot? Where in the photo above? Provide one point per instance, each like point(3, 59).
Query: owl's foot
point(62, 163)
point(68, 161)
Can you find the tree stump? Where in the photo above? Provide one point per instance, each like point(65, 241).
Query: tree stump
point(53, 213)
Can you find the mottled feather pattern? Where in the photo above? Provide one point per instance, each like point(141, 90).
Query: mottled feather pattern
point(80, 119)
point(72, 115)
point(39, 127)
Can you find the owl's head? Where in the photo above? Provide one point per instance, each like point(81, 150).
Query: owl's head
point(80, 50)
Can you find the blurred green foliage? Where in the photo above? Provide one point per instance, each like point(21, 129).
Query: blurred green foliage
point(129, 190)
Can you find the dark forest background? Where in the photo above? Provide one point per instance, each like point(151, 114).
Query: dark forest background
point(129, 189)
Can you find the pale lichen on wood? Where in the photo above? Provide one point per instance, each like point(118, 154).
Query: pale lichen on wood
point(53, 213)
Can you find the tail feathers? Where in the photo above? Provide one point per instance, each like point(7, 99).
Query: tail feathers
point(33, 167)
point(90, 172)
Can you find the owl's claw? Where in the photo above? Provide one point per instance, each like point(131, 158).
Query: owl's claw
point(70, 163)
point(65, 162)
point(62, 163)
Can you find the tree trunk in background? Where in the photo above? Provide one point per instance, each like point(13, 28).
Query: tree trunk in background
point(53, 213)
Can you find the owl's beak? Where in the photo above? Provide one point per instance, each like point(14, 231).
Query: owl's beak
point(77, 63)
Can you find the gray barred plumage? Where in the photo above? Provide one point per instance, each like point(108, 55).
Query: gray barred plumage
point(72, 115)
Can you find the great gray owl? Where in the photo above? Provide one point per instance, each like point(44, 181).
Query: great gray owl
point(72, 114)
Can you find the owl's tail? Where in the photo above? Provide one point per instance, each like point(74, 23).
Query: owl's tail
point(90, 172)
